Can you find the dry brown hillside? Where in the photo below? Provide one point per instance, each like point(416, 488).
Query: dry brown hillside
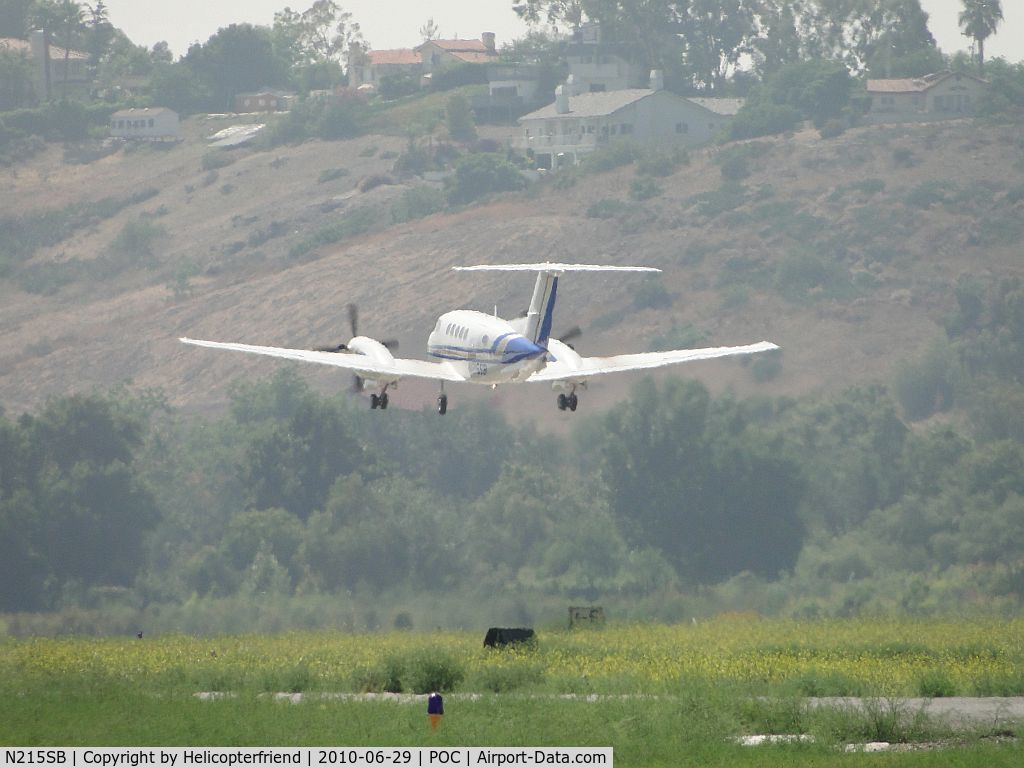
point(891, 215)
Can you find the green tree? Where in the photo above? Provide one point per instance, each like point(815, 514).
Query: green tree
point(294, 465)
point(694, 479)
point(14, 18)
point(979, 20)
point(480, 174)
point(459, 118)
point(238, 58)
point(16, 88)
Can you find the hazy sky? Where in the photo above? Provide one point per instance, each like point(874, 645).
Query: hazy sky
point(396, 23)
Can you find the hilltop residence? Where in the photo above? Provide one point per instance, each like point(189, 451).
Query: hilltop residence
point(265, 101)
point(158, 123)
point(939, 96)
point(575, 125)
point(392, 63)
point(52, 67)
point(436, 55)
point(595, 65)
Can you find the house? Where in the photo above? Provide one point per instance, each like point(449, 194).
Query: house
point(392, 63)
point(436, 55)
point(596, 65)
point(149, 123)
point(53, 68)
point(939, 96)
point(511, 90)
point(575, 125)
point(265, 101)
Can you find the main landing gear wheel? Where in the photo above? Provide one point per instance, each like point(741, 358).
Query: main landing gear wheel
point(378, 401)
point(567, 401)
point(442, 404)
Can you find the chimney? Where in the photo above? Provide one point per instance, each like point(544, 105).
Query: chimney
point(487, 38)
point(562, 100)
point(657, 79)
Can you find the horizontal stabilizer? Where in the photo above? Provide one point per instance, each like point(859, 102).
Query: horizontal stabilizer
point(549, 266)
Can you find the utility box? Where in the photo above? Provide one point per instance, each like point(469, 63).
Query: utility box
point(586, 616)
point(498, 637)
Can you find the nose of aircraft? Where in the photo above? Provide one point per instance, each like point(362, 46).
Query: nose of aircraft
point(521, 347)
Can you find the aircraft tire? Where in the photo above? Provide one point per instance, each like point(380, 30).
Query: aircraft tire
point(442, 404)
point(384, 401)
point(563, 402)
point(573, 402)
point(374, 402)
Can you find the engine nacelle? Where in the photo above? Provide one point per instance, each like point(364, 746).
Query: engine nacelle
point(372, 348)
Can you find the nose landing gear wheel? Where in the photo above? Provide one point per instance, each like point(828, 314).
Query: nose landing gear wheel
point(573, 401)
point(374, 402)
point(442, 404)
point(563, 402)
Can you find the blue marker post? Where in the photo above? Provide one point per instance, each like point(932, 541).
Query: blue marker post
point(435, 709)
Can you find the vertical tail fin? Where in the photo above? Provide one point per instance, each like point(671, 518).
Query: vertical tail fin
point(542, 308)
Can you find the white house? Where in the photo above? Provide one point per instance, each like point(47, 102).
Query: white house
point(156, 123)
point(939, 96)
point(595, 65)
point(575, 125)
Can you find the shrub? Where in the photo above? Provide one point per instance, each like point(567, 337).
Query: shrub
point(927, 385)
point(356, 223)
point(902, 157)
point(605, 208)
point(217, 159)
point(734, 168)
point(651, 294)
point(644, 188)
point(479, 175)
point(614, 155)
point(136, 238)
point(331, 174)
point(374, 180)
point(429, 671)
point(766, 366)
point(415, 203)
point(832, 128)
point(726, 198)
point(659, 162)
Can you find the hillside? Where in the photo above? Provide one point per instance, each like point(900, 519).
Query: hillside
point(843, 251)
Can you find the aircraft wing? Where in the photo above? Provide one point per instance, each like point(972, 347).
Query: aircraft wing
point(361, 364)
point(565, 368)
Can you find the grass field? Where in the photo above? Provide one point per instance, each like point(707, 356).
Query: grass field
point(660, 695)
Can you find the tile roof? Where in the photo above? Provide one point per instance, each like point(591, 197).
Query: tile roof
point(459, 45)
point(25, 47)
point(916, 84)
point(394, 56)
point(474, 57)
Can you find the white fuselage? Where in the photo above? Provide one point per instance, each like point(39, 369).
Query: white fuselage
point(483, 348)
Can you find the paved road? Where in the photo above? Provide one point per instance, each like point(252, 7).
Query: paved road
point(958, 710)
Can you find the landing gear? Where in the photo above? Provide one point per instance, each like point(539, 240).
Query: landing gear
point(569, 401)
point(379, 401)
point(442, 404)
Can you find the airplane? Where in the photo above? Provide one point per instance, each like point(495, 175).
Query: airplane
point(477, 348)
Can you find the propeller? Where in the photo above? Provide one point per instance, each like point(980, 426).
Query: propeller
point(353, 324)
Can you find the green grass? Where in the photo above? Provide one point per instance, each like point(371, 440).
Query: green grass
point(659, 695)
